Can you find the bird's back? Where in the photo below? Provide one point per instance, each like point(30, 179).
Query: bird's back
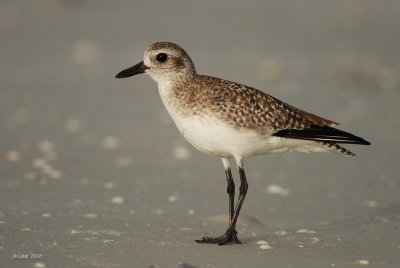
point(247, 107)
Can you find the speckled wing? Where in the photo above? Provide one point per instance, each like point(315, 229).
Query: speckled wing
point(246, 107)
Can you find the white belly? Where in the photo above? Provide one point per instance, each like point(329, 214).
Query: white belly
point(214, 137)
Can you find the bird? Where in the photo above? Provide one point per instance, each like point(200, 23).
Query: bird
point(233, 121)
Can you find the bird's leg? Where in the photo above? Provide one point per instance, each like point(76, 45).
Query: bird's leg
point(231, 192)
point(242, 194)
point(231, 233)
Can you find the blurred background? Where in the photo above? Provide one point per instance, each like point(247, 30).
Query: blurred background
point(93, 173)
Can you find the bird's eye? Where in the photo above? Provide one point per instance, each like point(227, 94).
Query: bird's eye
point(161, 57)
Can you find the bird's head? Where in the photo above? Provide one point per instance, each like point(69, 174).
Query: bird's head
point(163, 61)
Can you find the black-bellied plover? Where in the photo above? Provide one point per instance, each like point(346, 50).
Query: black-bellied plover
point(230, 120)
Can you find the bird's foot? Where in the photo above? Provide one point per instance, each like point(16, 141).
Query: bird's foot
point(229, 237)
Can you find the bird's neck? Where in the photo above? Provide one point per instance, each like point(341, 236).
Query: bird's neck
point(174, 85)
point(175, 93)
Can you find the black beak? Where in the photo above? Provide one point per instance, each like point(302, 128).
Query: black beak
point(134, 70)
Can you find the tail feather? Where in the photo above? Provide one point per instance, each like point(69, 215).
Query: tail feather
point(338, 148)
point(321, 134)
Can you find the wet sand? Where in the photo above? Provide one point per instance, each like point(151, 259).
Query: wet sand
point(93, 173)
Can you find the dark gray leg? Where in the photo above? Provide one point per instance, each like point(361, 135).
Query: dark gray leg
point(231, 234)
point(231, 192)
point(242, 194)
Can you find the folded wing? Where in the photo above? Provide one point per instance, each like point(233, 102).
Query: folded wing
point(321, 133)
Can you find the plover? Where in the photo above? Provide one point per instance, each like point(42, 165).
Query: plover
point(231, 120)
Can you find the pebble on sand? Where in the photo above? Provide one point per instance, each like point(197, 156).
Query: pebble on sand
point(315, 239)
point(181, 153)
point(372, 204)
point(91, 215)
point(305, 231)
point(190, 211)
point(278, 190)
point(39, 163)
point(117, 200)
point(55, 174)
point(13, 156)
point(110, 142)
point(364, 262)
point(172, 198)
point(158, 211)
point(40, 265)
point(45, 146)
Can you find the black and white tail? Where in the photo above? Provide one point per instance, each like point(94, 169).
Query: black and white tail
point(326, 135)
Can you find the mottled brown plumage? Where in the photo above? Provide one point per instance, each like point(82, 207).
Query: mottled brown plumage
point(241, 106)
